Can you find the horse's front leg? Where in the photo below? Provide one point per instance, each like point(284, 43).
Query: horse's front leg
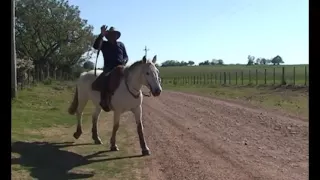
point(116, 120)
point(138, 116)
point(94, 130)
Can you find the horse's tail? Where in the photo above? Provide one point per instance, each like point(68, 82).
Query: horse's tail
point(74, 105)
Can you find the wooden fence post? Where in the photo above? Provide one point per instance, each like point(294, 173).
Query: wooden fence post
point(265, 76)
point(241, 77)
point(283, 76)
point(249, 77)
point(274, 76)
point(257, 77)
point(305, 75)
point(236, 78)
point(294, 75)
point(215, 78)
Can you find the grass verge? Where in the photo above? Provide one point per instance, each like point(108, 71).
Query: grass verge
point(43, 146)
point(286, 99)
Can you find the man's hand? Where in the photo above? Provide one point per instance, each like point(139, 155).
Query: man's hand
point(104, 30)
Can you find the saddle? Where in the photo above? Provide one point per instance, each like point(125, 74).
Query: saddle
point(109, 81)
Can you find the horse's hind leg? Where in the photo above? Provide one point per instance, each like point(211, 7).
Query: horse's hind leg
point(138, 116)
point(95, 118)
point(82, 104)
point(116, 119)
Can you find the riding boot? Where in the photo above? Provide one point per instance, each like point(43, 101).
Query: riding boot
point(104, 100)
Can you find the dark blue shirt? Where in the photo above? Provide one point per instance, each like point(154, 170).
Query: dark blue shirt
point(113, 54)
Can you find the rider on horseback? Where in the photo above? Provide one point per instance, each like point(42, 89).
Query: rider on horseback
point(114, 55)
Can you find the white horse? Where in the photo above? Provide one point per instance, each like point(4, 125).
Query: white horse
point(128, 97)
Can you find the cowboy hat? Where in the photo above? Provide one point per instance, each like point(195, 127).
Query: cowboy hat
point(112, 30)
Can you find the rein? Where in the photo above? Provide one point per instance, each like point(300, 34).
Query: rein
point(95, 66)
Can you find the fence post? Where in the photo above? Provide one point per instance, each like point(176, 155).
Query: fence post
point(241, 77)
point(249, 77)
point(283, 77)
point(215, 78)
point(220, 78)
point(274, 76)
point(265, 76)
point(294, 75)
point(236, 78)
point(207, 78)
point(305, 76)
point(211, 78)
point(257, 77)
point(229, 78)
point(224, 78)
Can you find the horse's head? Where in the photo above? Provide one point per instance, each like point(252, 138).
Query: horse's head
point(150, 76)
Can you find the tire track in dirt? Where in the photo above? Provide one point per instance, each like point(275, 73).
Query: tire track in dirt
point(194, 137)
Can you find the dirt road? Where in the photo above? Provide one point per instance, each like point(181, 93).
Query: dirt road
point(193, 137)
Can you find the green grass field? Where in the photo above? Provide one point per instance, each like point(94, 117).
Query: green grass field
point(236, 74)
point(210, 80)
point(43, 146)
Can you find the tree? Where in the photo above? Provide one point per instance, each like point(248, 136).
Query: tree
point(23, 66)
point(277, 60)
point(214, 62)
point(258, 61)
point(263, 61)
point(52, 34)
point(250, 60)
point(88, 65)
point(191, 63)
point(220, 62)
point(204, 63)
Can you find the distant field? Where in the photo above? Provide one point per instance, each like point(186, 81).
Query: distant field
point(236, 74)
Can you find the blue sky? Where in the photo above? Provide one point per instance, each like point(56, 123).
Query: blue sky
point(201, 30)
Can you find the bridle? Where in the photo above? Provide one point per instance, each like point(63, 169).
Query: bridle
point(136, 96)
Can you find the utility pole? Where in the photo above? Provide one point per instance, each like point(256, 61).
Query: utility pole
point(13, 53)
point(145, 51)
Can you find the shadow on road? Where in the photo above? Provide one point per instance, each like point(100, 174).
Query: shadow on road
point(48, 161)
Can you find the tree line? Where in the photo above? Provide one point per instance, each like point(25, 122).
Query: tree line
point(51, 37)
point(277, 60)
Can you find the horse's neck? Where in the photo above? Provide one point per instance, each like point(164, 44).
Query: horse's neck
point(133, 80)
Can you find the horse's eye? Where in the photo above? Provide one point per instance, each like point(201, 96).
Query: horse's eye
point(147, 73)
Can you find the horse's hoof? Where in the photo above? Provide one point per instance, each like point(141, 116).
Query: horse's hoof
point(76, 135)
point(114, 148)
point(98, 141)
point(146, 152)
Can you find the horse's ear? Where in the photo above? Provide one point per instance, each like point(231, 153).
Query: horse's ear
point(154, 60)
point(144, 59)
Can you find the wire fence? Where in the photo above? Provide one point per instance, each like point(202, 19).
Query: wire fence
point(260, 76)
point(32, 77)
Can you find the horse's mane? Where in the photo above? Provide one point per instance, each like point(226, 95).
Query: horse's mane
point(135, 64)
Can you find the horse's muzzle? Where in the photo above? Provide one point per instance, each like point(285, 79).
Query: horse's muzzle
point(156, 92)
